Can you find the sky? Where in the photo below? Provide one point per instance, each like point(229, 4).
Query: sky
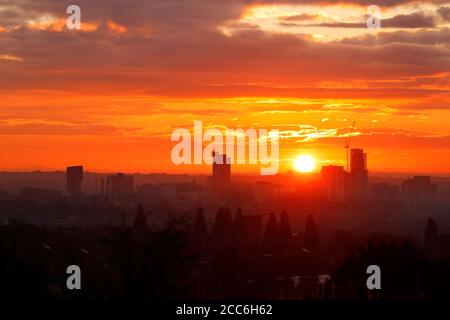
point(110, 95)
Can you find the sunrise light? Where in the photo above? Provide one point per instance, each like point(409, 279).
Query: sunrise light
point(305, 163)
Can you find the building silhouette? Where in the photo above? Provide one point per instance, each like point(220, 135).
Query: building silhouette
point(74, 178)
point(333, 178)
point(384, 192)
point(418, 190)
point(221, 170)
point(120, 186)
point(359, 175)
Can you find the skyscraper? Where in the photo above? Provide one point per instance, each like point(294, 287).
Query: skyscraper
point(221, 170)
point(333, 179)
point(74, 177)
point(359, 175)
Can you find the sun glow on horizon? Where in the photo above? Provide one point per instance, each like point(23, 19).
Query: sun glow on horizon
point(305, 163)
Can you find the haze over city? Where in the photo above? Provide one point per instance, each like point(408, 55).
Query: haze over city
point(216, 150)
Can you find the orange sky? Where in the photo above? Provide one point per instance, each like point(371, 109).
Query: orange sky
point(110, 95)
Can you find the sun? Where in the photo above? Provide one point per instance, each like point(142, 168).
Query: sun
point(305, 164)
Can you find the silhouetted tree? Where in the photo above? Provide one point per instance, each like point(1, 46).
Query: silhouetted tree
point(284, 226)
point(219, 222)
point(431, 233)
point(228, 219)
point(140, 221)
point(406, 274)
point(140, 226)
point(155, 269)
point(311, 235)
point(238, 222)
point(200, 224)
point(223, 224)
point(271, 227)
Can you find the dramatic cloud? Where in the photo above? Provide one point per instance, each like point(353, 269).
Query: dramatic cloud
point(403, 21)
point(138, 68)
point(444, 12)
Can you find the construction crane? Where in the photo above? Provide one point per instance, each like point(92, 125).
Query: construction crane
point(347, 145)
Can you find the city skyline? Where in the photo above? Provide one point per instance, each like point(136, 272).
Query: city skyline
point(225, 157)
